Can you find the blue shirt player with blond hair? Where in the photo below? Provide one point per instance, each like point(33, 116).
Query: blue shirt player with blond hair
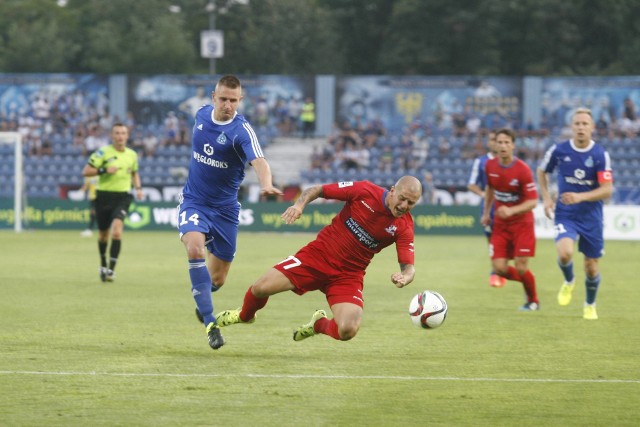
point(585, 179)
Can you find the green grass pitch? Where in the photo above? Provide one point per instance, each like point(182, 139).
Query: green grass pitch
point(77, 352)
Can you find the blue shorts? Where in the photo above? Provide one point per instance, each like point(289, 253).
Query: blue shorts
point(219, 225)
point(590, 235)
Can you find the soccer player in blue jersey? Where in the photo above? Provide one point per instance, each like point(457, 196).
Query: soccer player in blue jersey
point(477, 184)
point(223, 143)
point(584, 180)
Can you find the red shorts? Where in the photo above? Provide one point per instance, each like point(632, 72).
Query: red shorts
point(308, 272)
point(512, 239)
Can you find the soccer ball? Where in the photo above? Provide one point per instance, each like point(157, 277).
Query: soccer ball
point(428, 310)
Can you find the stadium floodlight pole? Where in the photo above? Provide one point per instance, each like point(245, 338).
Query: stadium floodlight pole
point(214, 7)
point(211, 8)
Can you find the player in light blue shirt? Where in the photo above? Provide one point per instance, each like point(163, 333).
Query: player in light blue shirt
point(223, 143)
point(477, 184)
point(584, 180)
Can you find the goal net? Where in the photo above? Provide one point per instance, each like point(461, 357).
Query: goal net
point(15, 139)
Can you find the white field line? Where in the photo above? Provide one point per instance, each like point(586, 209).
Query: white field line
point(327, 377)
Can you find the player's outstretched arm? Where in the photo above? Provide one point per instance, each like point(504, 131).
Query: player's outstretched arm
point(307, 196)
point(405, 276)
point(263, 170)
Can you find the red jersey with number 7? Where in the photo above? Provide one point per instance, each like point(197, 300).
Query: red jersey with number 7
point(362, 228)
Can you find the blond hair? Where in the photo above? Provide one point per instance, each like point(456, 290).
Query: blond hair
point(583, 110)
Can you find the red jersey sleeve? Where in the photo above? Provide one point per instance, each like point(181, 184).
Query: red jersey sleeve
point(404, 242)
point(341, 190)
point(528, 184)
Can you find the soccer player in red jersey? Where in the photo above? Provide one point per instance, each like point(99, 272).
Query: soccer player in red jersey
point(510, 187)
point(371, 219)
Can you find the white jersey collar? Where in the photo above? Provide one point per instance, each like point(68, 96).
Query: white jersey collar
point(222, 123)
point(582, 150)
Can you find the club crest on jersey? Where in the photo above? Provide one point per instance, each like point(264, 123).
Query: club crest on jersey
point(589, 162)
point(208, 150)
point(221, 139)
point(391, 229)
point(578, 173)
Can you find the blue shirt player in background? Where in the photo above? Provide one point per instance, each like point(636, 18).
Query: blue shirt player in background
point(477, 184)
point(223, 143)
point(584, 180)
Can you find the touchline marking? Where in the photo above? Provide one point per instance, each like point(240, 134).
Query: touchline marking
point(324, 377)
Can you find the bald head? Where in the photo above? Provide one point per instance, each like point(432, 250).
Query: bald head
point(409, 183)
point(404, 195)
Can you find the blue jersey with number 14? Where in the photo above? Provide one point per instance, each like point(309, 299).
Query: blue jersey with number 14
point(220, 152)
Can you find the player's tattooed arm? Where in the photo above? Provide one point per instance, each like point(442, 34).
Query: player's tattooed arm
point(307, 196)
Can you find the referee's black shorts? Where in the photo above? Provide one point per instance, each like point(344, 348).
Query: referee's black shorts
point(111, 205)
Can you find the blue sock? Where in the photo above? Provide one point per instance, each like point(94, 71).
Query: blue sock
point(201, 289)
point(592, 288)
point(567, 270)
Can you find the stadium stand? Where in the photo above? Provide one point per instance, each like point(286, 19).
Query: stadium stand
point(45, 174)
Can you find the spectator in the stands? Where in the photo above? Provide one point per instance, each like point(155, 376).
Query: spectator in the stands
point(346, 134)
point(459, 124)
point(150, 144)
point(294, 108)
point(137, 143)
point(602, 126)
point(629, 124)
point(79, 135)
point(473, 125)
point(349, 157)
point(261, 118)
point(171, 129)
point(281, 112)
point(385, 161)
point(374, 130)
point(444, 146)
point(316, 158)
point(46, 148)
point(94, 140)
point(428, 189)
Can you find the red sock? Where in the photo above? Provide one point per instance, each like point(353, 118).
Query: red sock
point(327, 327)
point(512, 274)
point(250, 305)
point(529, 283)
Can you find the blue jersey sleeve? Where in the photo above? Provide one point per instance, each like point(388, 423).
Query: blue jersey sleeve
point(248, 141)
point(549, 161)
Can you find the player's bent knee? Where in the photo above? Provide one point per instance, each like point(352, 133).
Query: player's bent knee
point(218, 279)
point(347, 333)
point(195, 252)
point(565, 257)
point(348, 329)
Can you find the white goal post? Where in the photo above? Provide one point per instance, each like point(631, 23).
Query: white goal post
point(15, 138)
